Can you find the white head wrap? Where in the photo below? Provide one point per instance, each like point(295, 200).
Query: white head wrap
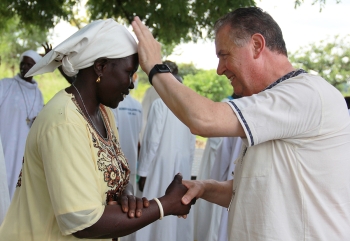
point(31, 54)
point(101, 38)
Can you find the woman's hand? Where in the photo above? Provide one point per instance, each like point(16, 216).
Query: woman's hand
point(171, 201)
point(131, 204)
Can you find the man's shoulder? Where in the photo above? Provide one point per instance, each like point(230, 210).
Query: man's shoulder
point(5, 81)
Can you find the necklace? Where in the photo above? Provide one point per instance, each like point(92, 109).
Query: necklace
point(28, 120)
point(99, 112)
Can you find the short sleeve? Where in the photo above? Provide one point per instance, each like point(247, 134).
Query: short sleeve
point(71, 177)
point(290, 109)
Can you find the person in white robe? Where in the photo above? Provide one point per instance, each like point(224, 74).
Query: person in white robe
point(206, 229)
point(20, 102)
point(4, 190)
point(167, 149)
point(151, 95)
point(128, 116)
point(223, 170)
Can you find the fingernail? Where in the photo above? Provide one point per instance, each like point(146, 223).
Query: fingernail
point(132, 214)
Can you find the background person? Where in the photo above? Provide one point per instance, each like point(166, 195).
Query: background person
point(167, 148)
point(151, 94)
point(292, 178)
point(4, 190)
point(73, 164)
point(128, 116)
point(20, 102)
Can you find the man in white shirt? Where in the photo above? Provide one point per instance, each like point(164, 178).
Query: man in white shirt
point(20, 102)
point(292, 178)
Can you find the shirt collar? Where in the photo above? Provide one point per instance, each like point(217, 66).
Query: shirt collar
point(285, 77)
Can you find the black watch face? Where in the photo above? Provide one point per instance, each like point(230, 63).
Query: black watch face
point(163, 68)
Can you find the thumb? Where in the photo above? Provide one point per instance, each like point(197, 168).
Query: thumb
point(178, 178)
point(189, 195)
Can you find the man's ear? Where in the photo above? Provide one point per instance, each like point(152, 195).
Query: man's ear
point(258, 44)
point(100, 65)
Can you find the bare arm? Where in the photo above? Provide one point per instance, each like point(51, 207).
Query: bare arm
point(210, 190)
point(116, 223)
point(203, 116)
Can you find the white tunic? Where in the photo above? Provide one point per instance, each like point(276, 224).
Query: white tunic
point(18, 100)
point(206, 229)
point(222, 170)
point(128, 116)
point(167, 149)
point(150, 96)
point(4, 190)
point(292, 182)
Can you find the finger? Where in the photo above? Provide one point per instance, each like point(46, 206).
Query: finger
point(140, 29)
point(184, 216)
point(139, 207)
point(125, 204)
point(132, 206)
point(145, 202)
point(178, 178)
point(136, 28)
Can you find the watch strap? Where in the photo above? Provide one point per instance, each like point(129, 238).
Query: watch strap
point(158, 68)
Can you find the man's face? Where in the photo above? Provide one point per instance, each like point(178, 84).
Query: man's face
point(25, 65)
point(236, 63)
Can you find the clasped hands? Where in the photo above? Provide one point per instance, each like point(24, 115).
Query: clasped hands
point(171, 201)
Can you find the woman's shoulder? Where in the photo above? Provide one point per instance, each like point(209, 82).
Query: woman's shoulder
point(60, 109)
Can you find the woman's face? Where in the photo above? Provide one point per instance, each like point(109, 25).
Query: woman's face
point(116, 80)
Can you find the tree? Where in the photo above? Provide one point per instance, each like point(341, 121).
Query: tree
point(14, 41)
point(330, 59)
point(207, 83)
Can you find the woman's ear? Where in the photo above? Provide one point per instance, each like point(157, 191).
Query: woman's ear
point(258, 44)
point(100, 65)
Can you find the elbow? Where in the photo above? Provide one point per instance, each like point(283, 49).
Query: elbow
point(200, 128)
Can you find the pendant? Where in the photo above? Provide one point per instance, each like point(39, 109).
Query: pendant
point(30, 122)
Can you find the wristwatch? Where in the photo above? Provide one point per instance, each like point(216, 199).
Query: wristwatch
point(158, 68)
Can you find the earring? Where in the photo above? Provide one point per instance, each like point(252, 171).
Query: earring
point(98, 79)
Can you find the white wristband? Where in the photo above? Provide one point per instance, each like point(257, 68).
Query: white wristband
point(160, 208)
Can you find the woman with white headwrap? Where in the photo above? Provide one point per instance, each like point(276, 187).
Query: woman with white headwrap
point(73, 165)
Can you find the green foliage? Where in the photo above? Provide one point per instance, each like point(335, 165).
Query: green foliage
point(329, 58)
point(187, 68)
point(171, 21)
point(14, 41)
point(207, 83)
point(322, 3)
point(42, 13)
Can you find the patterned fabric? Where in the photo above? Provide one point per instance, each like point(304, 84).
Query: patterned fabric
point(111, 160)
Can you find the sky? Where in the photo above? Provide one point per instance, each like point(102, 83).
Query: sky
point(300, 27)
